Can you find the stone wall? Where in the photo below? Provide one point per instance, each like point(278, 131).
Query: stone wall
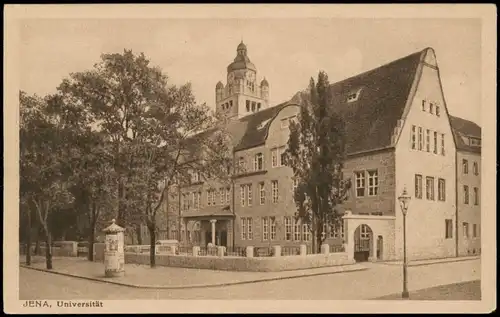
point(249, 264)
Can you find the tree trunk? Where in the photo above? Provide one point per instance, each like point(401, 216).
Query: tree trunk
point(139, 234)
point(313, 227)
point(48, 250)
point(152, 243)
point(28, 239)
point(37, 240)
point(91, 239)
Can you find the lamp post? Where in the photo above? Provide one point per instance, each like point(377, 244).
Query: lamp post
point(404, 201)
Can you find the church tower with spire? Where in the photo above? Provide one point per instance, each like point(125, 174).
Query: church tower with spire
point(241, 95)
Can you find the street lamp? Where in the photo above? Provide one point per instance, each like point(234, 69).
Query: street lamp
point(404, 201)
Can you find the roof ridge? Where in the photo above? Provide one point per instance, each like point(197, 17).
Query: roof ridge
point(381, 66)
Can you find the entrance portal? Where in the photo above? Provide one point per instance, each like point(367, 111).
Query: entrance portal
point(363, 237)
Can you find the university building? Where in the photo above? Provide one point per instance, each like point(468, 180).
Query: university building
point(399, 135)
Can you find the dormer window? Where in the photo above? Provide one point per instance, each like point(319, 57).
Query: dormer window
point(353, 95)
point(475, 141)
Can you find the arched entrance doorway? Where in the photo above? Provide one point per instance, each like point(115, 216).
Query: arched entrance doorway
point(363, 246)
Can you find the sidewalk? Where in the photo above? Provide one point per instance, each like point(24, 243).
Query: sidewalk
point(142, 276)
point(432, 261)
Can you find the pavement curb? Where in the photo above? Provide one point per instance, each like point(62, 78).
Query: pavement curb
point(188, 286)
point(451, 260)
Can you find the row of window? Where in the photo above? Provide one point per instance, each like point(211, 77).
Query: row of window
point(246, 193)
point(429, 188)
point(214, 197)
point(431, 107)
point(227, 105)
point(295, 230)
point(277, 160)
point(465, 229)
point(433, 140)
point(465, 167)
point(467, 194)
point(253, 105)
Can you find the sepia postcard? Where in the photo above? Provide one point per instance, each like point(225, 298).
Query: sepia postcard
point(249, 158)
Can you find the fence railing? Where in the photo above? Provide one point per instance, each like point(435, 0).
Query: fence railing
point(204, 251)
point(235, 251)
point(263, 251)
point(184, 250)
point(290, 250)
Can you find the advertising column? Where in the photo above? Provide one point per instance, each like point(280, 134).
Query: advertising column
point(114, 256)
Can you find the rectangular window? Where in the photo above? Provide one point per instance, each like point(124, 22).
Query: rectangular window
point(441, 189)
point(241, 164)
point(191, 200)
point(466, 194)
point(475, 168)
point(228, 195)
point(420, 139)
point(431, 108)
point(250, 228)
point(273, 228)
point(249, 195)
point(418, 186)
point(372, 183)
point(338, 230)
point(262, 191)
point(474, 231)
point(195, 200)
point(296, 230)
point(438, 110)
point(184, 202)
point(429, 184)
point(275, 191)
point(274, 157)
point(423, 105)
point(243, 228)
point(413, 137)
point(476, 196)
point(360, 184)
point(435, 142)
point(288, 228)
point(448, 229)
point(306, 234)
point(428, 140)
point(465, 226)
point(465, 166)
point(242, 195)
point(442, 144)
point(265, 228)
point(259, 162)
point(281, 156)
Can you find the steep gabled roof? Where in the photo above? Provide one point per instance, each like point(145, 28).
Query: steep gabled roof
point(465, 128)
point(380, 99)
point(256, 127)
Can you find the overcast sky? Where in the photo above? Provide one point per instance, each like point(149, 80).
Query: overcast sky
point(286, 51)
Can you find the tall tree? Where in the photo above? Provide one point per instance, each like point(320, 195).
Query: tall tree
point(316, 154)
point(148, 126)
point(43, 181)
